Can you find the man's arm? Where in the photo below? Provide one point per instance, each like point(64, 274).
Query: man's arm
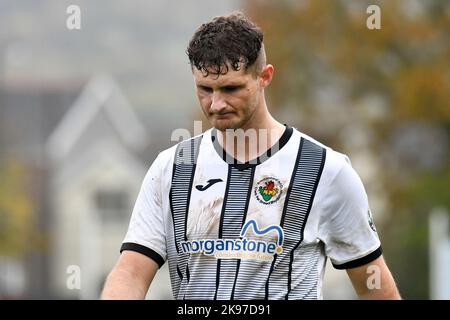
point(130, 278)
point(374, 281)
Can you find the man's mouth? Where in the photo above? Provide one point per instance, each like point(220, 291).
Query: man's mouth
point(223, 115)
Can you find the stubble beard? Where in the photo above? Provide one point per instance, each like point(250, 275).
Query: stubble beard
point(236, 122)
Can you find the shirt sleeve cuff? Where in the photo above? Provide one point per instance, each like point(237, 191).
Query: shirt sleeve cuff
point(360, 261)
point(143, 250)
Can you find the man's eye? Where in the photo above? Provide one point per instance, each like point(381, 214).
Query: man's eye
point(205, 89)
point(230, 89)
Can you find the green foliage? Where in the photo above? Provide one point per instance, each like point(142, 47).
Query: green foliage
point(405, 66)
point(15, 210)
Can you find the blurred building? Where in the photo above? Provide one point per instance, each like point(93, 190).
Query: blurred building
point(86, 151)
point(94, 179)
point(28, 114)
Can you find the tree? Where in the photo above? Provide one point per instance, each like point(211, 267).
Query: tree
point(384, 91)
point(15, 210)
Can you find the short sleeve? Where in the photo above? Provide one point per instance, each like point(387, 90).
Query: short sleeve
point(347, 228)
point(146, 232)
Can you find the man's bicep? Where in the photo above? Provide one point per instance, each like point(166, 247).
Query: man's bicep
point(373, 280)
point(131, 277)
point(139, 266)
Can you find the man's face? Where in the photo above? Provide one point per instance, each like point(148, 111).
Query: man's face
point(228, 101)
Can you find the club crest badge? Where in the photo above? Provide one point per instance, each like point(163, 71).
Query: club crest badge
point(268, 190)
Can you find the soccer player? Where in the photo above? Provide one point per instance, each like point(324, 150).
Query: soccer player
point(252, 208)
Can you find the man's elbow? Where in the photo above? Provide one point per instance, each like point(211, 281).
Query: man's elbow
point(386, 291)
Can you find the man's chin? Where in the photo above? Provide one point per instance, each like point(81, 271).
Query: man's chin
point(223, 125)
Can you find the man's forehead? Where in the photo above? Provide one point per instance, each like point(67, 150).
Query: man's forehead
point(231, 76)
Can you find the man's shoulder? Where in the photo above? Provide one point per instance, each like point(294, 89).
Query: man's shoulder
point(168, 155)
point(339, 182)
point(334, 160)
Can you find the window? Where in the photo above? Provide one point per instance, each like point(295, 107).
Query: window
point(113, 205)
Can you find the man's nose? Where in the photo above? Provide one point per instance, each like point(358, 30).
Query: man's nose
point(217, 102)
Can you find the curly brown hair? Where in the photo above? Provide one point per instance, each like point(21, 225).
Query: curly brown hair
point(225, 41)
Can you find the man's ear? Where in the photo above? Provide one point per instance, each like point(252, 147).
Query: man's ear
point(266, 75)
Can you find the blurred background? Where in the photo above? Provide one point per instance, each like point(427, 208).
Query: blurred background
point(83, 113)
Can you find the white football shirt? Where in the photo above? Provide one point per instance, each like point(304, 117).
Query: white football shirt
point(259, 230)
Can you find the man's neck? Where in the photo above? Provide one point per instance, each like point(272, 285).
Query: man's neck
point(249, 143)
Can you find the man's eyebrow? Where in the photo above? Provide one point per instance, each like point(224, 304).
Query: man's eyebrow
point(232, 85)
point(225, 85)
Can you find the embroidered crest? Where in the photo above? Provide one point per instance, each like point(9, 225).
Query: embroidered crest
point(268, 190)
